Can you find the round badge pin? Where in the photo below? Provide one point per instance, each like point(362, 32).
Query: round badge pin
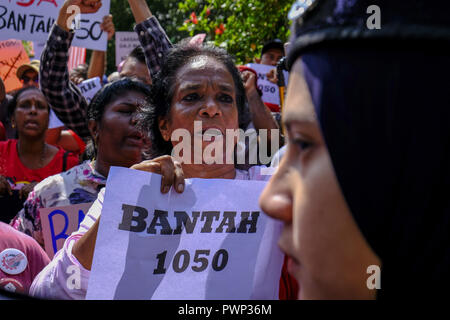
point(13, 261)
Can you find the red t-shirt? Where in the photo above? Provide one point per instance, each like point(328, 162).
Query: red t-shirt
point(2, 132)
point(17, 174)
point(21, 259)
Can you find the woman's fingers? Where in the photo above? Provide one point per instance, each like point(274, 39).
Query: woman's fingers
point(171, 171)
point(148, 166)
point(179, 177)
point(168, 173)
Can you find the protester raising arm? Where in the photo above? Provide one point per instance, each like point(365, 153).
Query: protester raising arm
point(64, 96)
point(151, 35)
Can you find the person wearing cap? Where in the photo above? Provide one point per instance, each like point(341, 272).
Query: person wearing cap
point(28, 74)
point(271, 53)
point(363, 185)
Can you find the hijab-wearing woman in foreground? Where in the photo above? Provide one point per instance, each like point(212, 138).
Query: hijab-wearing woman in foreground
point(364, 181)
point(195, 84)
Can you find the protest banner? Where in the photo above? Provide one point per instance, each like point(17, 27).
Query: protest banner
point(270, 91)
point(59, 222)
point(125, 43)
point(90, 87)
point(12, 55)
point(33, 19)
point(210, 242)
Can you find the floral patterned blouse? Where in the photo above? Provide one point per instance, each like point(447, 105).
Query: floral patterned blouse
point(80, 184)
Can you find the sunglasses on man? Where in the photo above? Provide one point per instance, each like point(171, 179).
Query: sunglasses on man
point(26, 79)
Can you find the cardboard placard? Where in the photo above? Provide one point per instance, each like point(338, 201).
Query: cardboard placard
point(59, 223)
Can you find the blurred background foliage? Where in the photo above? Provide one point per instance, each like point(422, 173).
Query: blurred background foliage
point(239, 26)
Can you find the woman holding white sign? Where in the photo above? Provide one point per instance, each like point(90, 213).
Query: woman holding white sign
point(198, 92)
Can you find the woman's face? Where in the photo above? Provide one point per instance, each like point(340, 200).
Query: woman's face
point(328, 255)
point(119, 142)
point(31, 115)
point(204, 92)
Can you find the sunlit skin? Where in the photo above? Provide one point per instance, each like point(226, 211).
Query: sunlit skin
point(328, 254)
point(204, 91)
point(134, 69)
point(118, 140)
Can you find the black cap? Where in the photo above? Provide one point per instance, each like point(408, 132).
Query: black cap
point(273, 44)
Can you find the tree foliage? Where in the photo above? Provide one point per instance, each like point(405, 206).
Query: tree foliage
point(239, 26)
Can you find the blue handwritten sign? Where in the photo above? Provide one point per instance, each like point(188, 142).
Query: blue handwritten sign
point(59, 223)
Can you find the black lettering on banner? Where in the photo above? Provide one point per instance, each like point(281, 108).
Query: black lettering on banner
point(160, 267)
point(228, 220)
point(3, 11)
point(91, 31)
point(86, 35)
point(210, 215)
point(41, 26)
point(128, 217)
point(12, 21)
point(245, 221)
point(176, 261)
point(34, 20)
point(161, 216)
point(21, 21)
point(183, 220)
point(215, 262)
point(184, 257)
point(203, 261)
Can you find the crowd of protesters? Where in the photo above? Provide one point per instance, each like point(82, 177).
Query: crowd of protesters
point(353, 188)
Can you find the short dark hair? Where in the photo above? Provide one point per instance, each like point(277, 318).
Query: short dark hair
point(80, 71)
point(163, 90)
point(13, 103)
point(111, 91)
point(273, 44)
point(138, 54)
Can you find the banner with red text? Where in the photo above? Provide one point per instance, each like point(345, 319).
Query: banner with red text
point(33, 19)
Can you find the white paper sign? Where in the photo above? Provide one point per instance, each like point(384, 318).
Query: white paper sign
point(33, 19)
point(125, 43)
point(54, 121)
point(271, 93)
point(210, 242)
point(89, 88)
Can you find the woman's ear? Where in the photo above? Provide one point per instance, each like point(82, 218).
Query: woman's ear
point(164, 128)
point(93, 129)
